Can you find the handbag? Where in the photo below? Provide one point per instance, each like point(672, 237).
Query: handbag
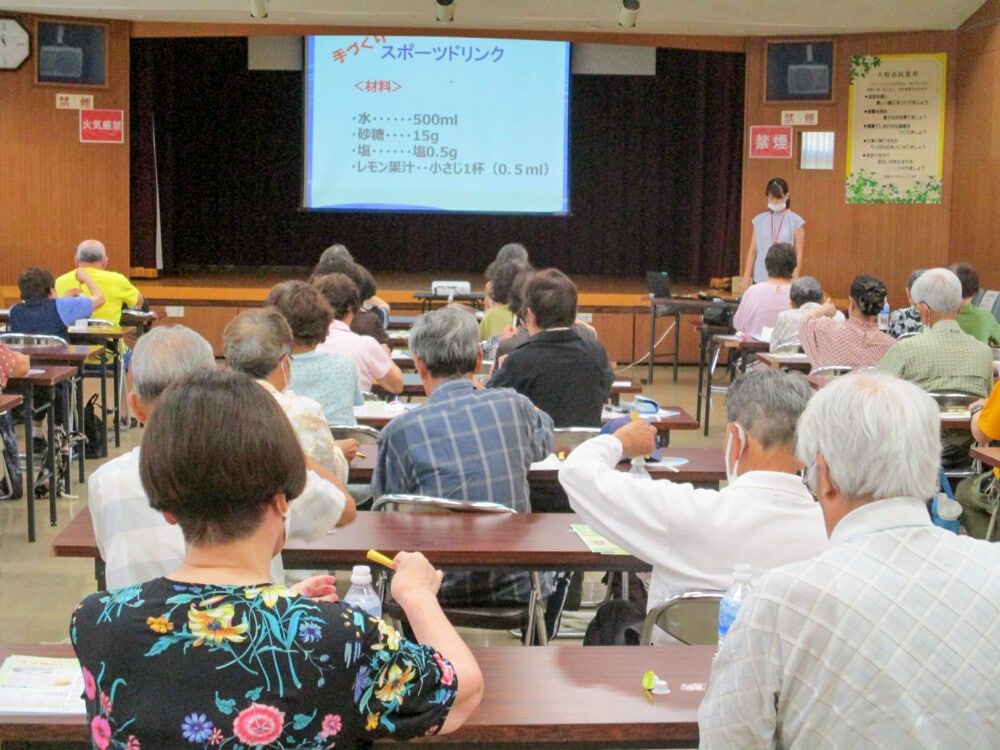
point(92, 430)
point(718, 313)
point(978, 496)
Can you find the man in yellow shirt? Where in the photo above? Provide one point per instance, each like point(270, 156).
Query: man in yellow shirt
point(118, 290)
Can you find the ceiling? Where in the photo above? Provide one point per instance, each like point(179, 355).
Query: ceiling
point(701, 17)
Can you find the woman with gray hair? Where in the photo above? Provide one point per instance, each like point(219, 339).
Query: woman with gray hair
point(258, 342)
point(805, 294)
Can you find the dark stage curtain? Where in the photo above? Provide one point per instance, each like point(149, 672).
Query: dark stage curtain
point(655, 173)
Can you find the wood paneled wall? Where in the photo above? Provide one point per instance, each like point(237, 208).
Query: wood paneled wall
point(54, 190)
point(844, 240)
point(57, 191)
point(975, 213)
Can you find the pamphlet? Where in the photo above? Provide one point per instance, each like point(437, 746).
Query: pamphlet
point(41, 684)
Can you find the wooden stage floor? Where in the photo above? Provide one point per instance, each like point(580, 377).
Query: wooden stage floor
point(250, 286)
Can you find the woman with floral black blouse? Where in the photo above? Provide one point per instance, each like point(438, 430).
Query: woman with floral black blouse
point(214, 655)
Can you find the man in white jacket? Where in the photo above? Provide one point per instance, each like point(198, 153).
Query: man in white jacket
point(695, 537)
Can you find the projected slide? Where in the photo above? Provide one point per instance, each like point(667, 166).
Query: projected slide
point(436, 124)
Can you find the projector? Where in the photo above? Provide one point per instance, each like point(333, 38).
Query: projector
point(450, 288)
point(57, 61)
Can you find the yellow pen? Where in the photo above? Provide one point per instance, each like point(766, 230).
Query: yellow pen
point(377, 557)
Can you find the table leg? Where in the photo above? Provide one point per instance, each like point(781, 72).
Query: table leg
point(652, 341)
point(68, 406)
point(677, 341)
point(81, 448)
point(29, 476)
point(701, 371)
point(99, 574)
point(51, 458)
point(104, 393)
point(116, 358)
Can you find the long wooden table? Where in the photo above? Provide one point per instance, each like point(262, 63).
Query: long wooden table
point(704, 466)
point(70, 354)
point(785, 361)
point(522, 541)
point(105, 335)
point(49, 378)
point(564, 696)
point(374, 414)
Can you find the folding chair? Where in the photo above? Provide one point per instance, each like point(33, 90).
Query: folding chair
point(832, 371)
point(691, 617)
point(530, 616)
point(364, 434)
point(956, 468)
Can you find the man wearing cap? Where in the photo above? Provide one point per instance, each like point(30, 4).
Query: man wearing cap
point(695, 537)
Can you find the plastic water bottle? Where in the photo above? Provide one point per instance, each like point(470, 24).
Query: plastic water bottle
point(883, 317)
point(638, 469)
point(361, 593)
point(732, 600)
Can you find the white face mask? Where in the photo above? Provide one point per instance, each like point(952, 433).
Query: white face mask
point(731, 474)
point(780, 206)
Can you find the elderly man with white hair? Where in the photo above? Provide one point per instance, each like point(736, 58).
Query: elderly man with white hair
point(695, 537)
point(136, 542)
point(118, 290)
point(943, 357)
point(890, 638)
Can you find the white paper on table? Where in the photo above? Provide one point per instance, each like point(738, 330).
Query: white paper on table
point(41, 684)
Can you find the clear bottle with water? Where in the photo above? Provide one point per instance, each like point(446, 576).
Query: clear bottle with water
point(361, 594)
point(883, 317)
point(639, 469)
point(732, 600)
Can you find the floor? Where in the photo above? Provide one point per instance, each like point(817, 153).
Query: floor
point(38, 592)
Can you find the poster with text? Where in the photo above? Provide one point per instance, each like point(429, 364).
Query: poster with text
point(895, 128)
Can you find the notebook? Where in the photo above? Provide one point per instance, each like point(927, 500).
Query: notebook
point(658, 283)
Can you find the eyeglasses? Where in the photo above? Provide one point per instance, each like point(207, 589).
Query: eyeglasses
point(806, 475)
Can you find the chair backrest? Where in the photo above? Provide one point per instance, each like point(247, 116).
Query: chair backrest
point(369, 396)
point(948, 399)
point(364, 434)
point(99, 322)
point(430, 504)
point(31, 339)
point(691, 617)
point(908, 334)
point(832, 371)
point(565, 439)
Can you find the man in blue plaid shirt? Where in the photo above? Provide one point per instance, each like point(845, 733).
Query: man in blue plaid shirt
point(465, 443)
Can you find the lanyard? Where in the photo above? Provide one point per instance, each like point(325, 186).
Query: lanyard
point(776, 236)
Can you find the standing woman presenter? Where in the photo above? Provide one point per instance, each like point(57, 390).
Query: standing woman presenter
point(777, 224)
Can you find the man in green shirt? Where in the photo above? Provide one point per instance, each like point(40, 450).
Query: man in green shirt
point(943, 357)
point(975, 321)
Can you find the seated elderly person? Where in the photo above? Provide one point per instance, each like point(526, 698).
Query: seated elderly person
point(258, 342)
point(761, 304)
point(890, 637)
point(217, 654)
point(330, 379)
point(857, 341)
point(943, 357)
point(975, 321)
point(372, 314)
point(465, 444)
point(906, 320)
point(373, 361)
point(135, 541)
point(500, 315)
point(805, 294)
point(694, 537)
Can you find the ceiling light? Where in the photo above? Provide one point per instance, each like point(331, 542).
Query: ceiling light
point(258, 8)
point(628, 13)
point(446, 10)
